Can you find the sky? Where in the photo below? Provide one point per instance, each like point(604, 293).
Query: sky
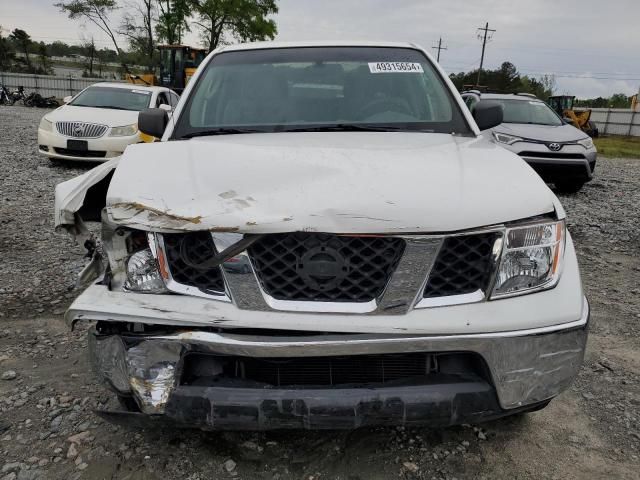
point(591, 46)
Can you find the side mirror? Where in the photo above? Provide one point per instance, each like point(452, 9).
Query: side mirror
point(165, 107)
point(487, 114)
point(67, 99)
point(153, 121)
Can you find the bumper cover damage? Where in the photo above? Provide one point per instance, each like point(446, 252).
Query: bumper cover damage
point(525, 368)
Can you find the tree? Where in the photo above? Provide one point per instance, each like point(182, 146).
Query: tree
point(506, 78)
point(43, 58)
point(6, 53)
point(23, 42)
point(172, 20)
point(244, 20)
point(95, 11)
point(138, 27)
point(89, 52)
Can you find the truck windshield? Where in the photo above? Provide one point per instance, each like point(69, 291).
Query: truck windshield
point(525, 111)
point(317, 88)
point(114, 98)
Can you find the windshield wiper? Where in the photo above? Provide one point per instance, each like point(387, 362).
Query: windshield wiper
point(354, 127)
point(220, 131)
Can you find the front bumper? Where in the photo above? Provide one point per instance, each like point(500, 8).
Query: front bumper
point(525, 368)
point(54, 145)
point(571, 163)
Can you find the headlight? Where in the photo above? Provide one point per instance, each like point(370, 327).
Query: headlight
point(143, 274)
point(531, 259)
point(46, 125)
point(506, 139)
point(125, 131)
point(586, 143)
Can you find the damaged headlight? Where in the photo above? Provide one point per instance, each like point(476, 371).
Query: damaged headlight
point(143, 274)
point(531, 258)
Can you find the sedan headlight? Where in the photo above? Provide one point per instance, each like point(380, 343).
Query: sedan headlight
point(46, 125)
point(531, 259)
point(143, 274)
point(586, 143)
point(506, 139)
point(125, 131)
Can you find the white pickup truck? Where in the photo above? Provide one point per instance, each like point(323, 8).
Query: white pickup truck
point(323, 238)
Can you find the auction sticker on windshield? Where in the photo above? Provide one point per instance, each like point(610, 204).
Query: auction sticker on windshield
point(390, 67)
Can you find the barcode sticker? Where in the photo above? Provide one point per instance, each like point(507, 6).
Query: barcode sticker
point(395, 67)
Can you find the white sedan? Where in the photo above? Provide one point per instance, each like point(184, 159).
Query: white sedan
point(100, 121)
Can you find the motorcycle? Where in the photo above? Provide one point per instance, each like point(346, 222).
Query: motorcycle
point(19, 95)
point(37, 100)
point(5, 97)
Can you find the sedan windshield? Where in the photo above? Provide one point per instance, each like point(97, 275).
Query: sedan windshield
point(317, 89)
point(528, 111)
point(114, 98)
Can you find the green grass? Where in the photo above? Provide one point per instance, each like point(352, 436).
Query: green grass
point(627, 147)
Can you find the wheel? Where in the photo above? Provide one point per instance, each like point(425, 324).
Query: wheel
point(569, 186)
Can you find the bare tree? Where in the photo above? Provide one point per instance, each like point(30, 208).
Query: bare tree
point(95, 11)
point(89, 51)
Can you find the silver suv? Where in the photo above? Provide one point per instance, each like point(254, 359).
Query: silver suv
point(559, 152)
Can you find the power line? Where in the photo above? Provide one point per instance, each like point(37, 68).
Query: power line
point(439, 47)
point(486, 30)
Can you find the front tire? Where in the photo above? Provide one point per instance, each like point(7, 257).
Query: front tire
point(569, 186)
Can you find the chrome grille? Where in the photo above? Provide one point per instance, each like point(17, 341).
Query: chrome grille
point(81, 129)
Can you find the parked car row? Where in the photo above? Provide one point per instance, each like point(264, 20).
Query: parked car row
point(100, 122)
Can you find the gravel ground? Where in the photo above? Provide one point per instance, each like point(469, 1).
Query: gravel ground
point(48, 430)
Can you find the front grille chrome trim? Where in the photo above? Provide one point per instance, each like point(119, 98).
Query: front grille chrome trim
point(81, 129)
point(403, 292)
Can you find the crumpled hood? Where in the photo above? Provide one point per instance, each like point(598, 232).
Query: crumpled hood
point(544, 133)
point(103, 116)
point(338, 182)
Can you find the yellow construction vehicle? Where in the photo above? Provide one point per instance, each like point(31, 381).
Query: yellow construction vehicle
point(579, 118)
point(178, 63)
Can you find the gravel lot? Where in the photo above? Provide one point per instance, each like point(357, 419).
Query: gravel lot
point(48, 430)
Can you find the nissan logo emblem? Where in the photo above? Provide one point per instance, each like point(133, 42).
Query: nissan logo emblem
point(322, 268)
point(554, 146)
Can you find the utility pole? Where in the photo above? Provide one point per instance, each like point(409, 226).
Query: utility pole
point(439, 47)
point(486, 30)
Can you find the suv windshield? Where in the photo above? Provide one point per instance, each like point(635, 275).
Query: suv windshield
point(115, 98)
point(313, 88)
point(527, 111)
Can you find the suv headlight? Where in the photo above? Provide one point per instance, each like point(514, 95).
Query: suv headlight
point(46, 125)
point(506, 139)
point(531, 259)
point(141, 268)
point(124, 131)
point(586, 143)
